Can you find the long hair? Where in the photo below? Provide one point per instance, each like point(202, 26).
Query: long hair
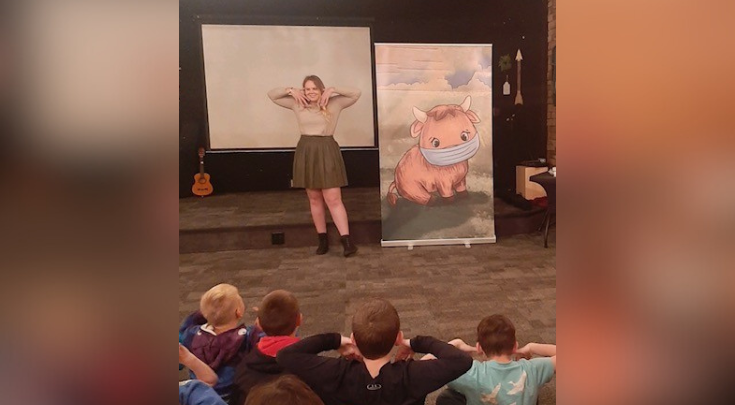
point(320, 85)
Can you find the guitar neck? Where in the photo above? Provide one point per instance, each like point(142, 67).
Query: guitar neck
point(201, 167)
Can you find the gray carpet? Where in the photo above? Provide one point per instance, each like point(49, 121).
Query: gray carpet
point(440, 290)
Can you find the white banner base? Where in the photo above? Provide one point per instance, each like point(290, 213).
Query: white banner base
point(436, 242)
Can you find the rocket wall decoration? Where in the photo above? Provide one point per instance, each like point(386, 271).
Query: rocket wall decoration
point(519, 98)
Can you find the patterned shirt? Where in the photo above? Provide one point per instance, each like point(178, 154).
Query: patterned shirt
point(514, 383)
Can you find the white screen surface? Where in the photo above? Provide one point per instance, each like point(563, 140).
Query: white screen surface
point(243, 62)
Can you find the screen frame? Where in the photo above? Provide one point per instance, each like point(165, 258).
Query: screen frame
point(209, 19)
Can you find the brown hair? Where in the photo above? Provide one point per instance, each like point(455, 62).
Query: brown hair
point(320, 85)
point(317, 81)
point(375, 326)
point(496, 335)
point(285, 390)
point(278, 314)
point(219, 304)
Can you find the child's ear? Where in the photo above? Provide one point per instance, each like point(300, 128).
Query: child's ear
point(300, 320)
point(352, 338)
point(257, 323)
point(399, 339)
point(479, 348)
point(515, 347)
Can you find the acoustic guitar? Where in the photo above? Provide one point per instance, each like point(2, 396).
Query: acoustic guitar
point(201, 186)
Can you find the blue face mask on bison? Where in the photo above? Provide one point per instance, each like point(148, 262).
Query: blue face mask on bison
point(455, 154)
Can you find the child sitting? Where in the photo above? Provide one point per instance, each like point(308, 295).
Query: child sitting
point(501, 380)
point(214, 334)
point(286, 390)
point(278, 317)
point(375, 330)
point(198, 391)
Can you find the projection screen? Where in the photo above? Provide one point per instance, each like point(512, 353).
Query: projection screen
point(243, 62)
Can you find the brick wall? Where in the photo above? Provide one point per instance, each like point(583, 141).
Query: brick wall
point(551, 116)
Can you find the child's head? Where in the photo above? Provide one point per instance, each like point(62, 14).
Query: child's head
point(285, 390)
point(496, 335)
point(376, 328)
point(279, 314)
point(221, 305)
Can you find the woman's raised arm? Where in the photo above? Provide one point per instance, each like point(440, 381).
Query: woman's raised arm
point(286, 97)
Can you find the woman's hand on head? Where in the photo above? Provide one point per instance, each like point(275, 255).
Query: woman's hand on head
point(325, 96)
point(298, 95)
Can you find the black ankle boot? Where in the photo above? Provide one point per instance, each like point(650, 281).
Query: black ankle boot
point(349, 247)
point(323, 244)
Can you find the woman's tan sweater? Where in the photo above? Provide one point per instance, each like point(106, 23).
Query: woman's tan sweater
point(311, 119)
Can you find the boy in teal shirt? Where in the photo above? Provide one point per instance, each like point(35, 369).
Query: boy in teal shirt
point(500, 380)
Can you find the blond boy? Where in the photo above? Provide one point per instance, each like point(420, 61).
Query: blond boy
point(215, 335)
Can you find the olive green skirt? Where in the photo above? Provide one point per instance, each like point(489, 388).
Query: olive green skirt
point(318, 163)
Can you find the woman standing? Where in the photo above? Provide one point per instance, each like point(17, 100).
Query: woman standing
point(318, 165)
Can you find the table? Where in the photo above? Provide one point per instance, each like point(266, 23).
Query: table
point(548, 182)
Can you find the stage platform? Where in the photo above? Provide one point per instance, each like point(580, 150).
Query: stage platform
point(249, 220)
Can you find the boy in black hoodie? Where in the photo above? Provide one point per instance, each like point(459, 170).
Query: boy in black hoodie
point(376, 328)
point(278, 317)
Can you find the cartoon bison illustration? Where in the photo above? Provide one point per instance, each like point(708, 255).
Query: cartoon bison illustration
point(438, 163)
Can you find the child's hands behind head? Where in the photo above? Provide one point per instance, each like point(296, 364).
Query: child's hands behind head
point(523, 353)
point(461, 345)
point(405, 352)
point(348, 350)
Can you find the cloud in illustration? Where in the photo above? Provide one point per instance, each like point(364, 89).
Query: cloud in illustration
point(486, 61)
point(482, 80)
point(417, 66)
point(439, 84)
point(460, 77)
point(475, 86)
point(485, 75)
